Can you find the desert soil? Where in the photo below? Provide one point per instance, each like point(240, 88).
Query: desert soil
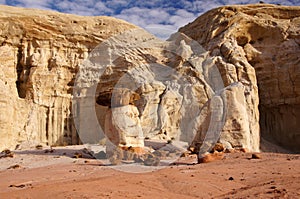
point(36, 174)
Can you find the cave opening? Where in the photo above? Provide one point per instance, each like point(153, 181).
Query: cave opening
point(20, 70)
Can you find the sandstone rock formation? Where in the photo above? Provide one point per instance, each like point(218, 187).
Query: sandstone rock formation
point(40, 53)
point(103, 75)
point(264, 38)
point(175, 89)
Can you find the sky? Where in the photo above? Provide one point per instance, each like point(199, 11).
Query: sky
point(158, 17)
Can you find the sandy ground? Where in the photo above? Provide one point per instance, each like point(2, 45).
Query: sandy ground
point(36, 174)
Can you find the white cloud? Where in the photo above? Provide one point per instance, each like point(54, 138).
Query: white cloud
point(144, 16)
point(158, 21)
point(88, 7)
point(116, 3)
point(184, 13)
point(181, 18)
point(101, 7)
point(45, 4)
point(157, 16)
point(206, 5)
point(161, 31)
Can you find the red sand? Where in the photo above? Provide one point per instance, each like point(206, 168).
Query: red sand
point(236, 176)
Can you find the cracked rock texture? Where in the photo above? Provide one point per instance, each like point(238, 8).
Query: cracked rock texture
point(258, 43)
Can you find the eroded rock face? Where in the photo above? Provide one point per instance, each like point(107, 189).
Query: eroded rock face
point(40, 53)
point(259, 41)
point(177, 89)
point(103, 75)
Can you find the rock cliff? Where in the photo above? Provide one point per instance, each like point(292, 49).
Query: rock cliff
point(40, 53)
point(261, 41)
point(67, 79)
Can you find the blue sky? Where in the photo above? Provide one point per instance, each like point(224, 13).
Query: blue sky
point(159, 17)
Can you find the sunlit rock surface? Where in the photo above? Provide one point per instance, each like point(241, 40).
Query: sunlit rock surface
point(225, 77)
